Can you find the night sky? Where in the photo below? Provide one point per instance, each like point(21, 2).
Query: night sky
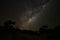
point(31, 14)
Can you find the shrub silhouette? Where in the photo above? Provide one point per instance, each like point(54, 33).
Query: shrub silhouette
point(9, 24)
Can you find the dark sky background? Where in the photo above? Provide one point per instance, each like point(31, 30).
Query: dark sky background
point(30, 14)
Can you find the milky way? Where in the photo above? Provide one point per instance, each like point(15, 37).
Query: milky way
point(31, 14)
point(30, 18)
point(36, 15)
point(30, 21)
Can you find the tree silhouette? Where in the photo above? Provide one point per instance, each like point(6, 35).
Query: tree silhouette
point(44, 26)
point(43, 29)
point(9, 24)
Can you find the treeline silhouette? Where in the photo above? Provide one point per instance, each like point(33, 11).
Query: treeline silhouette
point(8, 32)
